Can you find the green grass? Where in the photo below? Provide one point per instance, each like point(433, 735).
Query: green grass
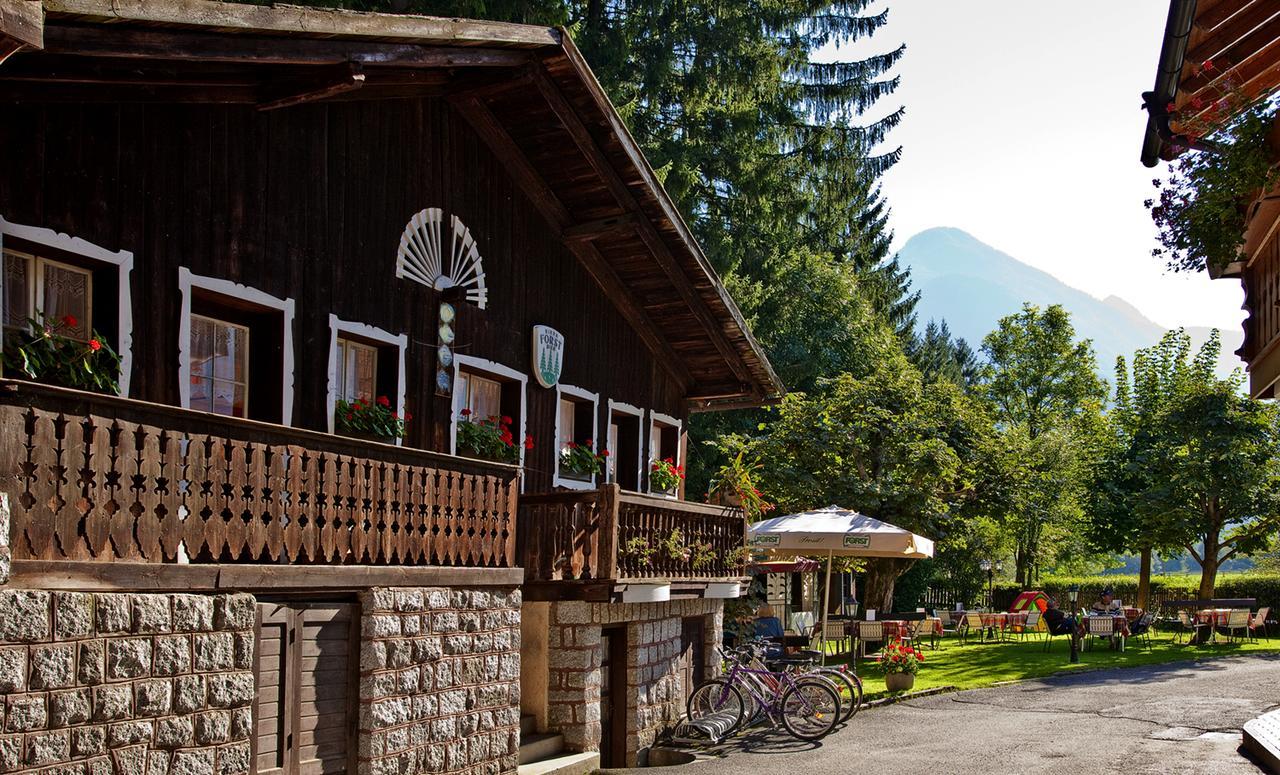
point(975, 665)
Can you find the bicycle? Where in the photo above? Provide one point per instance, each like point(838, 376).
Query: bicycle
point(808, 707)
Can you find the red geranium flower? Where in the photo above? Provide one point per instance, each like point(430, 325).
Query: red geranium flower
point(465, 413)
point(384, 401)
point(408, 416)
point(506, 420)
point(528, 442)
point(70, 320)
point(95, 345)
point(604, 453)
point(1208, 66)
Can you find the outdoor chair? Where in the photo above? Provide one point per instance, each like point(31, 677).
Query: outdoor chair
point(1259, 622)
point(1185, 625)
point(922, 630)
point(837, 633)
point(1237, 621)
point(949, 625)
point(1030, 626)
point(970, 623)
point(870, 632)
point(1142, 626)
point(1099, 627)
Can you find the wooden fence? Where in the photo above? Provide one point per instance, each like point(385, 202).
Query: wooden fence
point(608, 534)
point(93, 477)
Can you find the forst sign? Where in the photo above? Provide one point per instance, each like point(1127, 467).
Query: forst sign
point(548, 355)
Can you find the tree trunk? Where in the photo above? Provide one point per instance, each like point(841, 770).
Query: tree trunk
point(882, 574)
point(1208, 573)
point(1022, 568)
point(1144, 578)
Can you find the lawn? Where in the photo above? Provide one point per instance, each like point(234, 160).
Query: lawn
point(975, 665)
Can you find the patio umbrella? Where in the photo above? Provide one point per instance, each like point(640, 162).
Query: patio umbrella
point(838, 532)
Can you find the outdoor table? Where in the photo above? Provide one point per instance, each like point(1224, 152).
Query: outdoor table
point(1119, 626)
point(1213, 618)
point(791, 641)
point(802, 621)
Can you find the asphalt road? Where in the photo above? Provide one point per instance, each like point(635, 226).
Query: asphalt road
point(1176, 718)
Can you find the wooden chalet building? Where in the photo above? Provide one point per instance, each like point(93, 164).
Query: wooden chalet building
point(272, 211)
point(1241, 38)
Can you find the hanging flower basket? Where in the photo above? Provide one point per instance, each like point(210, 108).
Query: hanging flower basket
point(369, 420)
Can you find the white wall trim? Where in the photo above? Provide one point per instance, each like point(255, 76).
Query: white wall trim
point(187, 283)
point(337, 327)
point(498, 370)
point(121, 259)
point(584, 395)
point(638, 413)
point(658, 418)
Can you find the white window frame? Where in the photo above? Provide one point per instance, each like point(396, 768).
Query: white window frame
point(585, 396)
point(497, 370)
point(338, 327)
point(122, 260)
point(638, 413)
point(658, 418)
point(188, 283)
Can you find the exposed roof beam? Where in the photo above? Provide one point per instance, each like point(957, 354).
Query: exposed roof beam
point(1236, 55)
point(132, 43)
point(1237, 27)
point(619, 224)
point(349, 79)
point(22, 21)
point(557, 216)
point(627, 201)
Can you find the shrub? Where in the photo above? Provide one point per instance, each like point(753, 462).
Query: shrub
point(1265, 587)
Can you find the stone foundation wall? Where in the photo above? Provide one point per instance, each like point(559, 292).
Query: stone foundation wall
point(439, 681)
point(143, 684)
point(654, 692)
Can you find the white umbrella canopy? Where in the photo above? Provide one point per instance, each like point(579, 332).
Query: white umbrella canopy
point(838, 531)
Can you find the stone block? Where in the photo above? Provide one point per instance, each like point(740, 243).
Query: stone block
point(52, 666)
point(114, 613)
point(175, 732)
point(444, 622)
point(410, 625)
point(244, 650)
point(192, 613)
point(426, 649)
point(152, 614)
point(72, 615)
point(213, 651)
point(213, 727)
point(230, 690)
point(410, 600)
point(233, 759)
point(130, 760)
point(91, 666)
point(193, 761)
point(437, 598)
point(10, 752)
point(47, 748)
point(128, 658)
point(24, 615)
point(158, 763)
point(373, 654)
point(88, 741)
point(457, 644)
point(26, 713)
point(70, 707)
point(469, 621)
point(172, 655)
point(153, 698)
point(99, 765)
point(234, 612)
point(241, 723)
point(189, 693)
point(112, 702)
point(127, 733)
point(13, 669)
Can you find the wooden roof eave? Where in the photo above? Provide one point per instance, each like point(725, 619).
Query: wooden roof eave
point(21, 26)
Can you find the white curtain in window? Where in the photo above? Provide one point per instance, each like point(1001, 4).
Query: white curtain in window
point(219, 366)
point(566, 423)
point(357, 370)
point(17, 289)
point(66, 297)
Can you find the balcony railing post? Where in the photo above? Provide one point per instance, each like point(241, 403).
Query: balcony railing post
point(607, 535)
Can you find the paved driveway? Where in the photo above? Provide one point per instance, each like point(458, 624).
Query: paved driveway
point(1177, 718)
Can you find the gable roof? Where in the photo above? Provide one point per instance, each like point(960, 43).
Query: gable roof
point(526, 90)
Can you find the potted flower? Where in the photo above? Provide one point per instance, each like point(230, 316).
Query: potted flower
point(489, 438)
point(45, 352)
point(581, 461)
point(665, 476)
point(734, 484)
point(900, 663)
point(372, 420)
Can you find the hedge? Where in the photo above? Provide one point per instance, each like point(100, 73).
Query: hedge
point(1265, 587)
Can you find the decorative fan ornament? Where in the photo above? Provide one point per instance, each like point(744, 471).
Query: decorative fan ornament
point(421, 257)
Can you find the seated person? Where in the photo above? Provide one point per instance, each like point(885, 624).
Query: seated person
point(767, 623)
point(1058, 622)
point(1107, 604)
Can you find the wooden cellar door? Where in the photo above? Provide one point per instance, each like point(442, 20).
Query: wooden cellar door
point(692, 660)
point(307, 673)
point(613, 697)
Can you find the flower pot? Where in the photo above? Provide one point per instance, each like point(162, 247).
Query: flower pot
point(899, 682)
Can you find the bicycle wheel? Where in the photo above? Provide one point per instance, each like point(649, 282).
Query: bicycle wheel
point(848, 686)
point(810, 709)
point(718, 698)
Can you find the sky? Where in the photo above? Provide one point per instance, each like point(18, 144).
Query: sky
point(1023, 127)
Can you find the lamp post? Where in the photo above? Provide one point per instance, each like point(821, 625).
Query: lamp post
point(986, 566)
point(1073, 595)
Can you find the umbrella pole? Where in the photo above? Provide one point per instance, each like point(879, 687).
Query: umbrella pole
point(826, 606)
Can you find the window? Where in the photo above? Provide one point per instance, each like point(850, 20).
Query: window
point(480, 396)
point(664, 439)
point(36, 286)
point(575, 424)
point(219, 366)
point(488, 389)
point(228, 332)
point(625, 445)
point(357, 370)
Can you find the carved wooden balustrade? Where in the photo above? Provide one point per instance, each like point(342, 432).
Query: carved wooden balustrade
point(93, 477)
point(607, 534)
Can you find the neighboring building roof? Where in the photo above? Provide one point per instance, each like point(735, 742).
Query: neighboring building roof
point(1240, 37)
point(526, 90)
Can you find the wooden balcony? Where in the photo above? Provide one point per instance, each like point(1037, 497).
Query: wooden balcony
point(586, 544)
point(99, 478)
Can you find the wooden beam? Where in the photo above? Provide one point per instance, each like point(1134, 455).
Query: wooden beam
point(155, 44)
point(22, 22)
point(1237, 55)
point(88, 93)
point(626, 200)
point(491, 131)
point(619, 224)
point(9, 47)
point(349, 79)
point(1210, 19)
point(1237, 27)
